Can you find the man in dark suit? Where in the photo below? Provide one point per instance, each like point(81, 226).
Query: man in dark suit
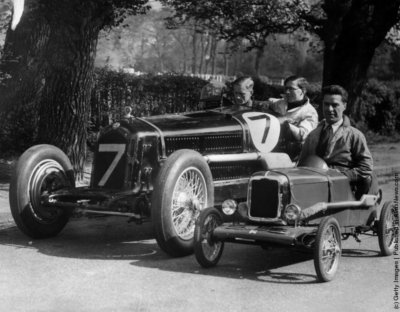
point(342, 146)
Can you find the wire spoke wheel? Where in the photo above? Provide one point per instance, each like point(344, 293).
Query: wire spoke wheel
point(183, 187)
point(188, 199)
point(210, 248)
point(207, 250)
point(387, 228)
point(328, 249)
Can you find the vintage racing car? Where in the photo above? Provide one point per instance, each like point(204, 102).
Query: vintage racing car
point(309, 206)
point(161, 168)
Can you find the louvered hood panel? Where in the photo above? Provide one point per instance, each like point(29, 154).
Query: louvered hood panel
point(195, 124)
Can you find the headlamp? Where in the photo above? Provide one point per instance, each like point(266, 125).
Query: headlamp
point(229, 207)
point(292, 212)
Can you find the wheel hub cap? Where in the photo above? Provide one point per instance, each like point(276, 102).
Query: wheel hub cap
point(188, 198)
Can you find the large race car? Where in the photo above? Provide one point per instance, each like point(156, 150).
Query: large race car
point(162, 168)
point(308, 206)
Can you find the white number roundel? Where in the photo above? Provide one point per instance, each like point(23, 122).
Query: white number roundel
point(264, 130)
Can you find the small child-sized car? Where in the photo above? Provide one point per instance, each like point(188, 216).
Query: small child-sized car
point(308, 206)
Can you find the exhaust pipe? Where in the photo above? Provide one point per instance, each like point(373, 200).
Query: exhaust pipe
point(365, 201)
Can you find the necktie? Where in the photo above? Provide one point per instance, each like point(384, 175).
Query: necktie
point(326, 135)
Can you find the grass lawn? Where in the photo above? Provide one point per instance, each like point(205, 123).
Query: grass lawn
point(385, 154)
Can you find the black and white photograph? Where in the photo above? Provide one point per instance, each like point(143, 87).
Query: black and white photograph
point(198, 155)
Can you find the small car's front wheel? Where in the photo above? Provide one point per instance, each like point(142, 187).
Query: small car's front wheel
point(40, 170)
point(207, 250)
point(386, 229)
point(184, 187)
point(328, 249)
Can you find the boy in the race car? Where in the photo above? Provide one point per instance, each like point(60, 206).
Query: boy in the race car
point(243, 89)
point(242, 93)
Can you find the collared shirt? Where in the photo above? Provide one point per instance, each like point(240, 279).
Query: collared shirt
point(335, 126)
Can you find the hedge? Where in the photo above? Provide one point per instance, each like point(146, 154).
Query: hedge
point(146, 95)
point(379, 107)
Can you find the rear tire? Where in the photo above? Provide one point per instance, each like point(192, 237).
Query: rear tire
point(386, 229)
point(40, 169)
point(183, 187)
point(327, 249)
point(206, 249)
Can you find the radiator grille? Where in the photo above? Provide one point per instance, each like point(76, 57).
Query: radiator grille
point(229, 171)
point(226, 143)
point(264, 198)
point(177, 143)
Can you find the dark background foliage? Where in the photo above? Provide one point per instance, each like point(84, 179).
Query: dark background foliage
point(146, 95)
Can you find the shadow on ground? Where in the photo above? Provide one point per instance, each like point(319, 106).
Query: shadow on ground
point(115, 239)
point(360, 253)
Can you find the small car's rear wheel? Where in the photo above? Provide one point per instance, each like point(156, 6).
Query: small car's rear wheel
point(207, 250)
point(386, 229)
point(40, 170)
point(327, 249)
point(184, 187)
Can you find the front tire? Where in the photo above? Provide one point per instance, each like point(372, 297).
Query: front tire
point(207, 250)
point(40, 170)
point(386, 229)
point(327, 249)
point(184, 187)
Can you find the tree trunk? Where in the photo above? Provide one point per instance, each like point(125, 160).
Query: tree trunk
point(351, 35)
point(207, 53)
point(50, 58)
point(194, 48)
point(213, 55)
point(202, 46)
point(226, 59)
point(235, 63)
point(259, 56)
point(21, 82)
point(183, 48)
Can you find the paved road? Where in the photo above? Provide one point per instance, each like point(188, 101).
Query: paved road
point(110, 265)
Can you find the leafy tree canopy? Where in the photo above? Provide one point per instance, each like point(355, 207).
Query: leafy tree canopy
point(253, 20)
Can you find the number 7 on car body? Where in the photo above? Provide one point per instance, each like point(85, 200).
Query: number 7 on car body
point(119, 149)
